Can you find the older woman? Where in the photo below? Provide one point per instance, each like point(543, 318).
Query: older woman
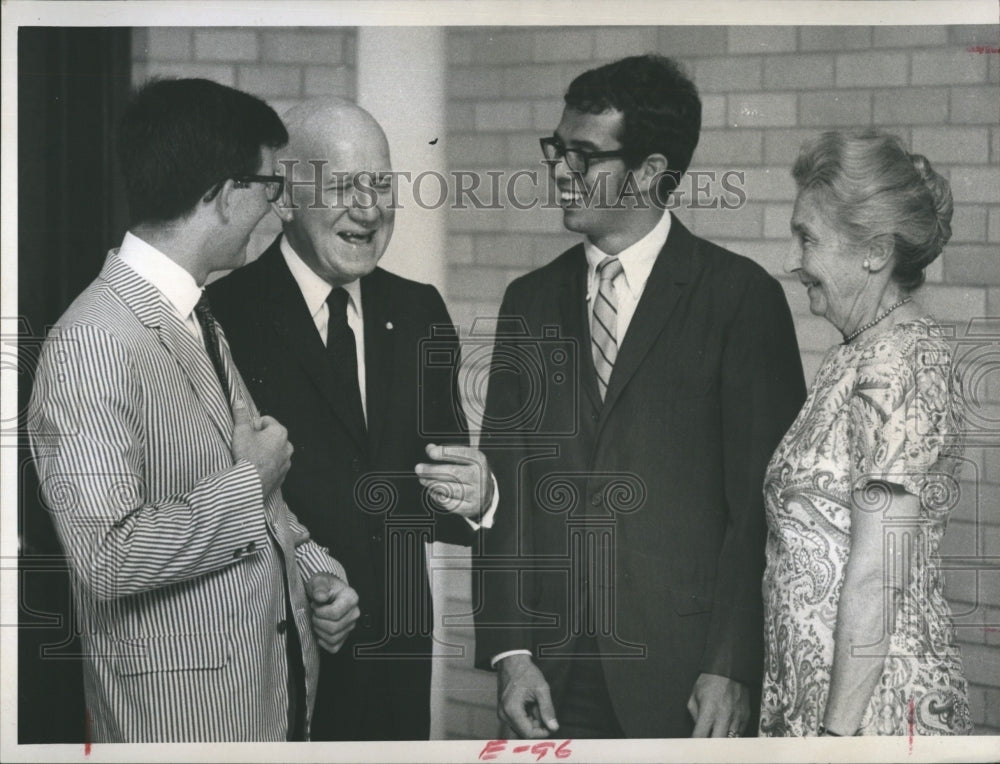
point(859, 637)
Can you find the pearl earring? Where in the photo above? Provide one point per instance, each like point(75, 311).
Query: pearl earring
point(867, 264)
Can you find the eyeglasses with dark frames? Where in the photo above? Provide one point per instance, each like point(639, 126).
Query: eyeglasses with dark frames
point(274, 185)
point(577, 160)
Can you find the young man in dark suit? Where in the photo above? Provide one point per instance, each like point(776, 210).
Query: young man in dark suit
point(630, 486)
point(349, 357)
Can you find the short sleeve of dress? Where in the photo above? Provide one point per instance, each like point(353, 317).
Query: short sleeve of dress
point(903, 413)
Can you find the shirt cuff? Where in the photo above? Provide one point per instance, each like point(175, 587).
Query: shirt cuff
point(486, 521)
point(500, 656)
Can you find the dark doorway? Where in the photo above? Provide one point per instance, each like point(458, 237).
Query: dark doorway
point(73, 84)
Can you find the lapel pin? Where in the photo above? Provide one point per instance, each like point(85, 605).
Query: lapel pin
point(388, 325)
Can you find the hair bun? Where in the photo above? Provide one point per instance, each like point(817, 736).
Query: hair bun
point(940, 192)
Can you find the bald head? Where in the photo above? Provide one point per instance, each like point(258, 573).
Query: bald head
point(340, 222)
point(321, 127)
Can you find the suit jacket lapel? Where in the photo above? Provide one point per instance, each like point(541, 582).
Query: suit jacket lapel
point(289, 318)
point(380, 354)
point(152, 308)
point(664, 287)
point(575, 320)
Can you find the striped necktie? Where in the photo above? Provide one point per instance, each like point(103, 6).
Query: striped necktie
point(210, 334)
point(604, 343)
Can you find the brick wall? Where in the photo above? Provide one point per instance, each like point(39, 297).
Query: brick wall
point(765, 90)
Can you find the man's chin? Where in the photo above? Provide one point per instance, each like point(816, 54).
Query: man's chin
point(573, 219)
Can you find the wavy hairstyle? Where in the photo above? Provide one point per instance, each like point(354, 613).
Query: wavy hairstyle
point(870, 186)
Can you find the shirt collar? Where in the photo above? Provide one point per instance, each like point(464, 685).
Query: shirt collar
point(169, 278)
point(314, 288)
point(637, 260)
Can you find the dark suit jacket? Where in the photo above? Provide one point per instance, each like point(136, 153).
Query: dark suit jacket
point(648, 509)
point(356, 490)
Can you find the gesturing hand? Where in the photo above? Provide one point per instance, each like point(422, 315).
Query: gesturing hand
point(523, 699)
point(264, 444)
point(334, 610)
point(459, 481)
point(719, 705)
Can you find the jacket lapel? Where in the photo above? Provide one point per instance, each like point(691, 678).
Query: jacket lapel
point(289, 319)
point(574, 318)
point(664, 287)
point(380, 354)
point(152, 308)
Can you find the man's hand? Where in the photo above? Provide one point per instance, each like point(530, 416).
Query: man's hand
point(459, 481)
point(334, 610)
point(719, 705)
point(264, 444)
point(523, 699)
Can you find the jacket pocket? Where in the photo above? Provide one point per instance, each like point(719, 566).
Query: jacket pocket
point(172, 652)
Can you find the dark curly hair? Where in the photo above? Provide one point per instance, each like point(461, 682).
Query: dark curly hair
point(660, 106)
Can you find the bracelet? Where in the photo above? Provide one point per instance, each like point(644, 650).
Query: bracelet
point(824, 731)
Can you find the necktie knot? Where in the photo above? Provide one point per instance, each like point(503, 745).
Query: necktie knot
point(210, 336)
point(337, 302)
point(609, 269)
point(202, 309)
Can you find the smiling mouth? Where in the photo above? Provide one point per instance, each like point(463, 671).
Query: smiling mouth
point(567, 196)
point(357, 239)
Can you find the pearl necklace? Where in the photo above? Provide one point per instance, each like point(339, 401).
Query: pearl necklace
point(874, 321)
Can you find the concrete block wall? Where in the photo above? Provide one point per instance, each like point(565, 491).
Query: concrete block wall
point(765, 90)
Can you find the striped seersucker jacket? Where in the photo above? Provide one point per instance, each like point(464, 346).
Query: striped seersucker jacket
point(180, 564)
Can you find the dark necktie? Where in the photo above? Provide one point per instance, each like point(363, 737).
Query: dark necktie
point(210, 335)
point(343, 351)
point(293, 647)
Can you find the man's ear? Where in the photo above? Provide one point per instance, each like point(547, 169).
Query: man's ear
point(283, 207)
point(880, 251)
point(653, 168)
point(223, 201)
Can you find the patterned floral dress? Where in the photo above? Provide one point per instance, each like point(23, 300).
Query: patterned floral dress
point(883, 409)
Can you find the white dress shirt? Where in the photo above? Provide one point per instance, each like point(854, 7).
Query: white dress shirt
point(170, 279)
point(315, 290)
point(637, 263)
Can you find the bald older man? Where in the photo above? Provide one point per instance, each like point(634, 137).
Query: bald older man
point(331, 345)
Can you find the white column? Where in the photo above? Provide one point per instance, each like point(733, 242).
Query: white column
point(401, 81)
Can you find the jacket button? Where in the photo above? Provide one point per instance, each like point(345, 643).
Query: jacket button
point(595, 415)
point(283, 626)
point(375, 538)
point(238, 553)
point(597, 499)
point(251, 547)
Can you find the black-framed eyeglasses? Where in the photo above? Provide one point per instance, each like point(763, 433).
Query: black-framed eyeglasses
point(577, 160)
point(274, 185)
